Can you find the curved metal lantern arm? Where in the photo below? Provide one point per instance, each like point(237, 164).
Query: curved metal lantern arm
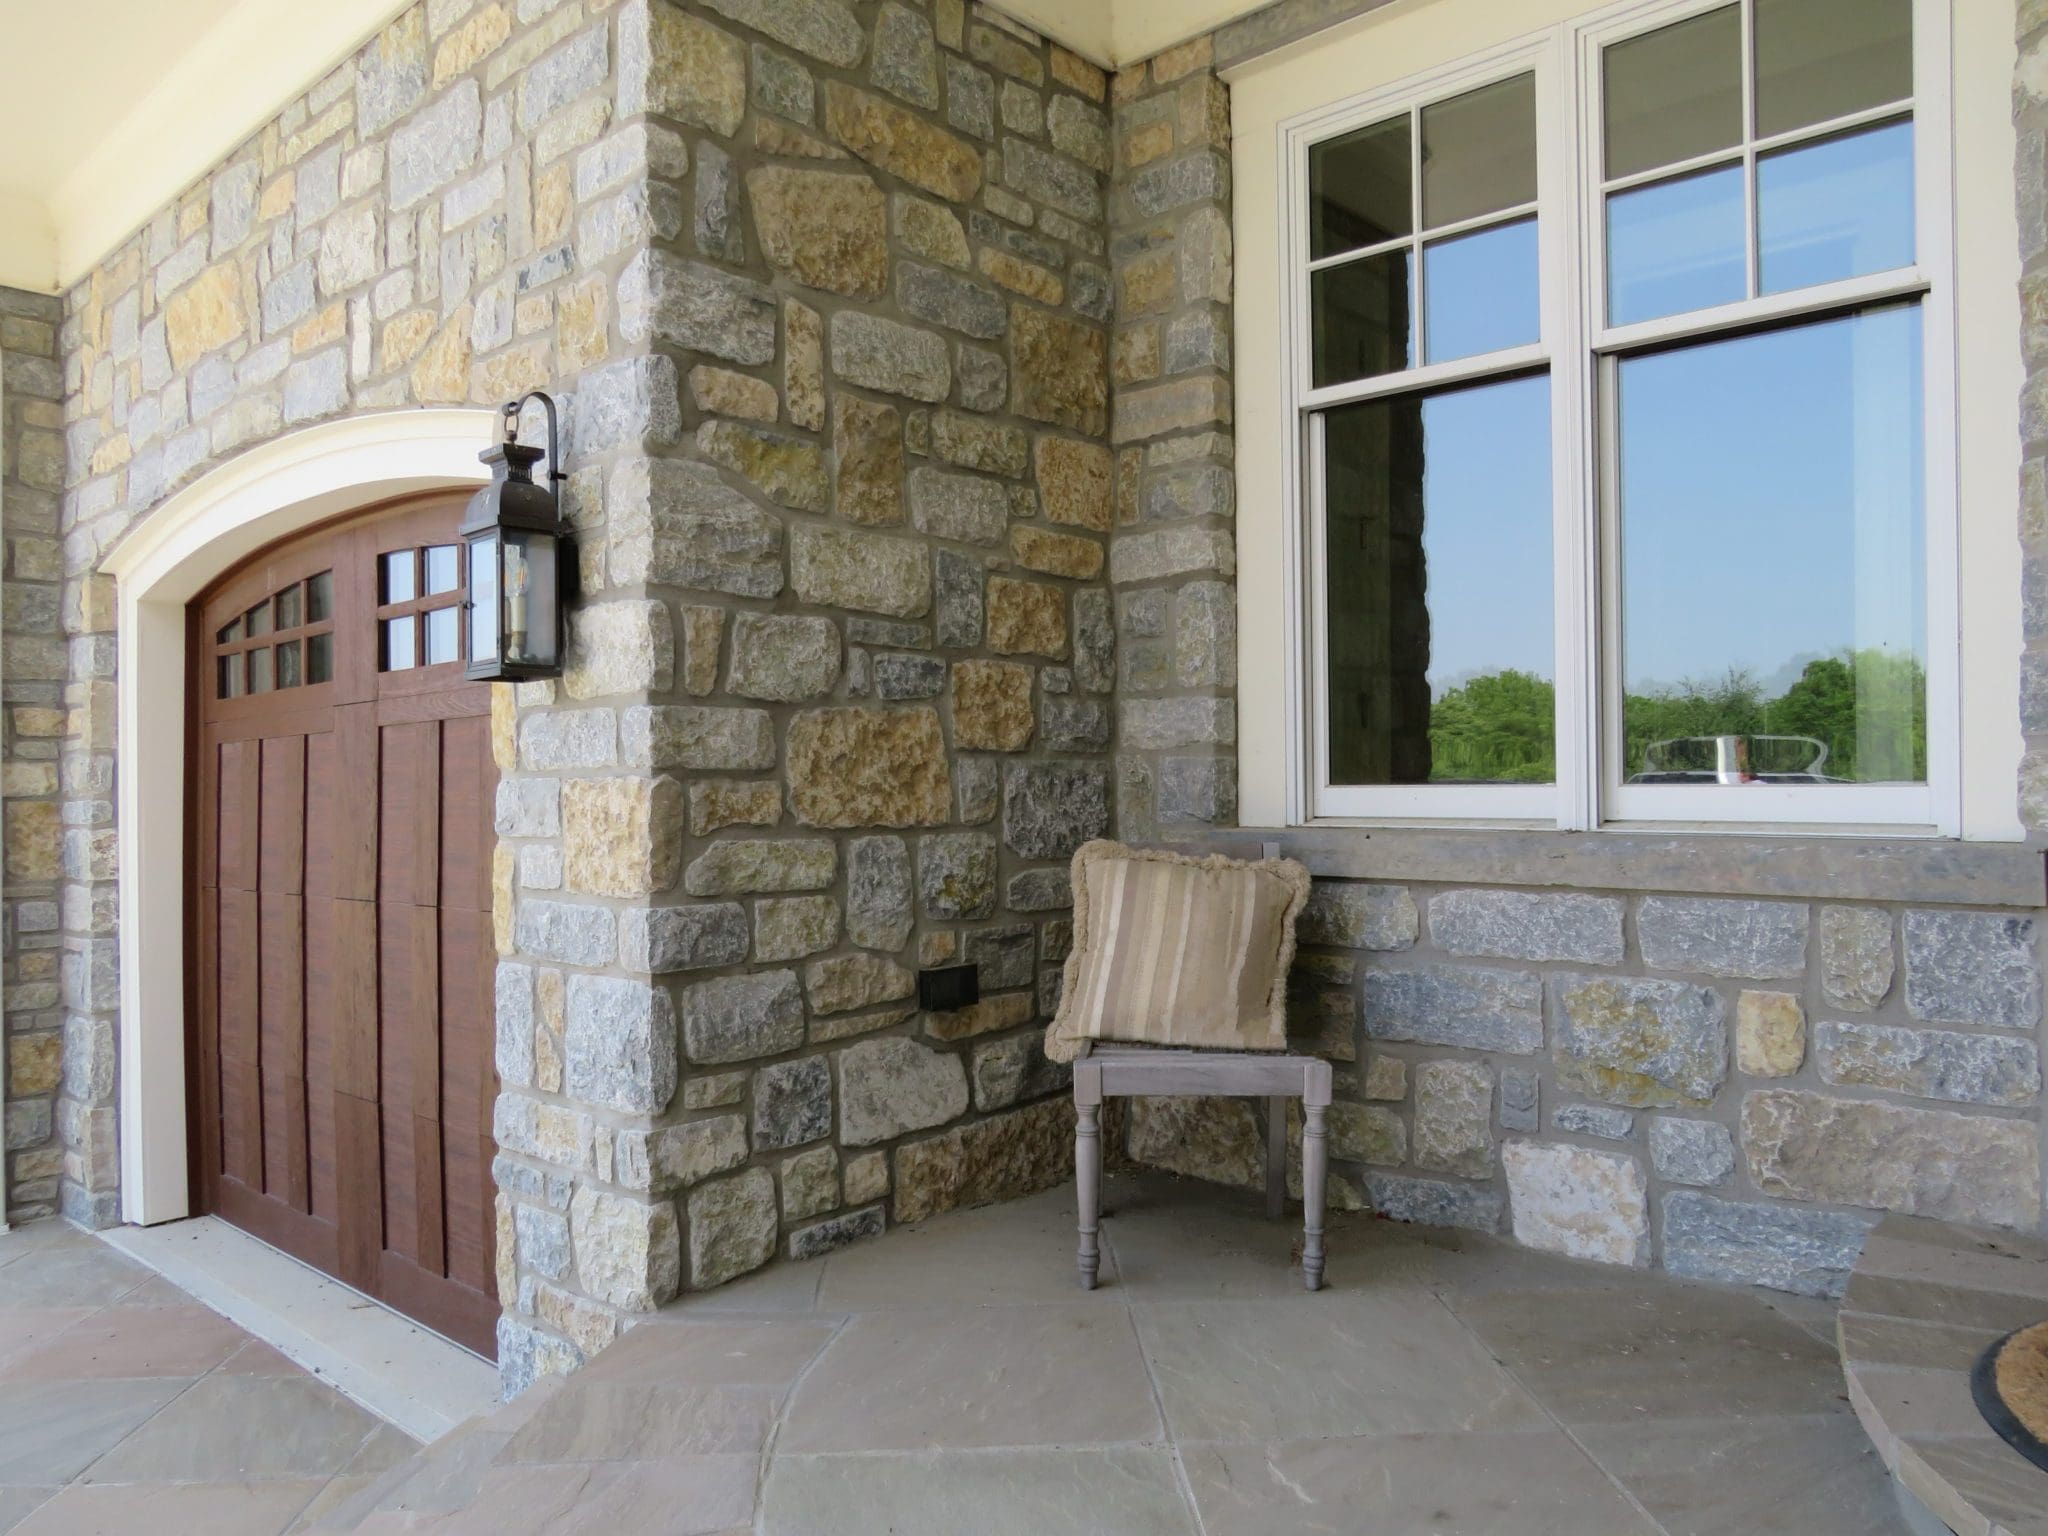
point(512, 411)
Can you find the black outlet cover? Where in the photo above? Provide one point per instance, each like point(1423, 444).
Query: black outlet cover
point(948, 988)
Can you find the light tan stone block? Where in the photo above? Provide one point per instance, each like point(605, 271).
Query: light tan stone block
point(1770, 1034)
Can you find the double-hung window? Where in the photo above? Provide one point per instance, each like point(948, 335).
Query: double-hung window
point(1617, 358)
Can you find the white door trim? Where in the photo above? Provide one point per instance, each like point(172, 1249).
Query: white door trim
point(159, 566)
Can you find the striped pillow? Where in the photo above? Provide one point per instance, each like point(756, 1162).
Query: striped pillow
point(1171, 950)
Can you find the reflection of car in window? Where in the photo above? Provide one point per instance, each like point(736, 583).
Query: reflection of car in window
point(1735, 760)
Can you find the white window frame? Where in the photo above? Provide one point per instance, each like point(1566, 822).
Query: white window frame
point(1580, 350)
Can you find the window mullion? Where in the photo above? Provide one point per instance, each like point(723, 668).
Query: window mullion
point(1751, 256)
point(1417, 322)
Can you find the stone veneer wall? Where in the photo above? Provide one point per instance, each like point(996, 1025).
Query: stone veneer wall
point(824, 290)
point(31, 728)
point(1727, 1088)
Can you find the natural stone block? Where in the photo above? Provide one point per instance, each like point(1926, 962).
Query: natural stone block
point(1747, 1242)
point(738, 866)
point(621, 837)
point(566, 932)
point(1435, 1202)
point(679, 1156)
point(1082, 725)
point(697, 736)
point(784, 657)
point(736, 1018)
point(1478, 1007)
point(1517, 925)
point(791, 927)
point(1594, 1120)
point(628, 1252)
point(1923, 1162)
point(1026, 617)
point(991, 703)
point(878, 892)
point(206, 313)
point(1075, 481)
point(1094, 641)
point(902, 143)
point(1770, 1033)
point(865, 766)
point(956, 875)
point(803, 367)
point(929, 230)
point(619, 647)
point(867, 442)
point(1215, 1139)
point(1006, 1010)
point(1855, 956)
point(900, 677)
point(1359, 916)
point(960, 598)
point(675, 522)
point(658, 940)
point(1454, 1118)
point(677, 65)
point(1174, 551)
point(1055, 554)
point(732, 1227)
point(1002, 1158)
point(810, 1180)
point(962, 507)
point(1520, 1092)
point(620, 1044)
point(955, 302)
point(697, 308)
point(889, 1086)
point(1578, 1202)
point(846, 982)
point(1721, 937)
point(1059, 370)
point(1005, 956)
point(1369, 1133)
point(826, 229)
point(840, 568)
point(889, 357)
point(1194, 788)
point(716, 804)
point(722, 392)
point(836, 1232)
point(1973, 968)
point(792, 1103)
point(435, 146)
point(1930, 1063)
point(1691, 1152)
point(787, 470)
point(1051, 808)
point(1639, 1042)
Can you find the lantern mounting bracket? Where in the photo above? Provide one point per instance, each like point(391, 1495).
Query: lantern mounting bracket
point(512, 411)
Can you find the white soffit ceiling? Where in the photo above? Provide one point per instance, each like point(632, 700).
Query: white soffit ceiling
point(113, 107)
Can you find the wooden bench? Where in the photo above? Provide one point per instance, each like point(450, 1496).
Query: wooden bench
point(1109, 1071)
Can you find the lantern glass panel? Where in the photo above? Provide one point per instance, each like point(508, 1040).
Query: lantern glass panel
point(531, 598)
point(483, 599)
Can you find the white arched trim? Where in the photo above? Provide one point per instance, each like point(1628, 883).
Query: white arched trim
point(159, 566)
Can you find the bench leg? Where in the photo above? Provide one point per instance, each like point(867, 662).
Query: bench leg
point(1088, 1187)
point(1315, 1162)
point(1276, 1157)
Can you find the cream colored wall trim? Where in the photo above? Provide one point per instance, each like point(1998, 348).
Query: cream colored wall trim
point(159, 566)
point(1386, 46)
point(28, 244)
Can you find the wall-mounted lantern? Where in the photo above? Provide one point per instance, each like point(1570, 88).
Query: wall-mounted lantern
point(520, 559)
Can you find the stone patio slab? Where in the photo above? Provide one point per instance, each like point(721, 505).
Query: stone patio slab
point(240, 1428)
point(52, 1431)
point(1001, 1256)
point(218, 1509)
point(124, 1341)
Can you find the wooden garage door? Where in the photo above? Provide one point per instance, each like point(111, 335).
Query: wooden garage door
point(340, 917)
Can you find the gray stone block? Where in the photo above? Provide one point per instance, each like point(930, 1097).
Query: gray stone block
point(1435, 1202)
point(1520, 1098)
point(1052, 808)
point(787, 658)
point(792, 1103)
point(890, 357)
point(899, 676)
point(1691, 1151)
point(1478, 1007)
point(822, 1237)
point(1723, 937)
point(619, 1044)
point(905, 62)
point(1355, 916)
point(660, 940)
point(1039, 890)
point(564, 931)
point(1750, 1243)
point(1930, 1063)
point(878, 892)
point(1074, 725)
point(956, 875)
point(1856, 961)
point(890, 1085)
point(1198, 789)
point(1006, 956)
point(1593, 1120)
point(1520, 925)
point(1973, 968)
point(736, 1018)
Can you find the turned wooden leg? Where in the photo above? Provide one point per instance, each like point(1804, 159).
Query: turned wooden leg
point(1276, 1158)
point(1315, 1169)
point(1088, 1171)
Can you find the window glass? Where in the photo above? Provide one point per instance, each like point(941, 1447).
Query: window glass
point(319, 658)
point(1675, 246)
point(1772, 557)
point(230, 670)
point(1438, 550)
point(290, 608)
point(483, 599)
point(1675, 93)
point(1360, 189)
point(257, 619)
point(320, 597)
point(443, 569)
point(1362, 319)
point(259, 671)
point(288, 674)
point(444, 641)
point(230, 632)
point(1479, 152)
point(398, 577)
point(1817, 60)
point(400, 644)
point(1835, 208)
point(1480, 291)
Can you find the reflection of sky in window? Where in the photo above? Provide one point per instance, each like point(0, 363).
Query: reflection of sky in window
point(1771, 501)
point(1836, 209)
point(1486, 531)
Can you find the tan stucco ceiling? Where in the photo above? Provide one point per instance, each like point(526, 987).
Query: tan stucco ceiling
point(112, 107)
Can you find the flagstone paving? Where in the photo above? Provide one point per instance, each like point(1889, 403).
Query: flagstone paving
point(949, 1379)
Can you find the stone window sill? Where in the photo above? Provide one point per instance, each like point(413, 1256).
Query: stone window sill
point(1802, 868)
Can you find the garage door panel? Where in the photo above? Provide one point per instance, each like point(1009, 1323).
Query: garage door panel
point(281, 815)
